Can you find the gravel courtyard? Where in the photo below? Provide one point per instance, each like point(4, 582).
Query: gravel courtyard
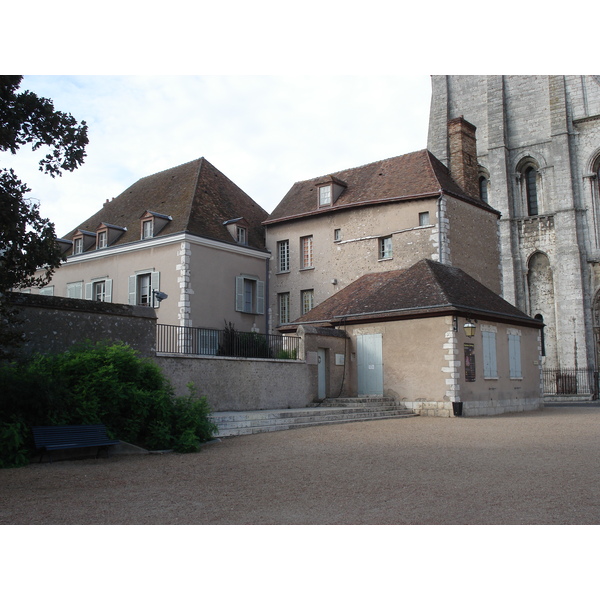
point(527, 468)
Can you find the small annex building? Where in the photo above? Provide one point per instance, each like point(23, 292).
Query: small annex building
point(428, 336)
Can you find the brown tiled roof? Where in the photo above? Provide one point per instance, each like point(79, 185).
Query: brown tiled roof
point(197, 196)
point(411, 176)
point(426, 288)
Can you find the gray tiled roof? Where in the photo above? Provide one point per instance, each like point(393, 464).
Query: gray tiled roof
point(427, 288)
point(410, 176)
point(197, 197)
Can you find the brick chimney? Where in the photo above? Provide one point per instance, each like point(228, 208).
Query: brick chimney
point(463, 155)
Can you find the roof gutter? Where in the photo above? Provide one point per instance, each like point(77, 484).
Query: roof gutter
point(449, 307)
point(320, 211)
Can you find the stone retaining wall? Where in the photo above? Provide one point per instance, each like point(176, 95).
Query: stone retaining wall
point(54, 324)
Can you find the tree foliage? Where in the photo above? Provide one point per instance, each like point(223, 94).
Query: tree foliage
point(27, 240)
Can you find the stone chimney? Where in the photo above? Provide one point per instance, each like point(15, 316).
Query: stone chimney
point(463, 155)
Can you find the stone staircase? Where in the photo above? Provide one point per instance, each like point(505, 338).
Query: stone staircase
point(329, 412)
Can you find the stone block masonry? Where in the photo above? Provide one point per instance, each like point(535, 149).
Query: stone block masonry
point(54, 324)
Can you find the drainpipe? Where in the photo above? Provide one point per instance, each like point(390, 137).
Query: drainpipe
point(267, 295)
point(439, 212)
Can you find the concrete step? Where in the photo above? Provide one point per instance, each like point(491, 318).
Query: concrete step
point(262, 421)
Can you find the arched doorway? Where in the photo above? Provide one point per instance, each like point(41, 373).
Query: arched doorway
point(540, 284)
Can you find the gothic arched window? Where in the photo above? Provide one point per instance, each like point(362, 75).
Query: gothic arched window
point(531, 191)
point(483, 189)
point(529, 200)
point(484, 184)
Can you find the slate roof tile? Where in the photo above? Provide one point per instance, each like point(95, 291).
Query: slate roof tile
point(410, 176)
point(196, 195)
point(426, 288)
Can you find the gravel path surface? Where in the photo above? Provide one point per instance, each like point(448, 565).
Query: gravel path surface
point(527, 468)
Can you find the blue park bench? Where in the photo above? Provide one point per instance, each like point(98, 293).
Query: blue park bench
point(66, 437)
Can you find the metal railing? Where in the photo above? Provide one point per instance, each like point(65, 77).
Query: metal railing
point(174, 339)
point(569, 382)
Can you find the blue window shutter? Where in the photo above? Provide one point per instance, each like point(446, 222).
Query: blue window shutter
point(132, 289)
point(260, 297)
point(490, 368)
point(514, 351)
point(493, 360)
point(155, 285)
point(239, 294)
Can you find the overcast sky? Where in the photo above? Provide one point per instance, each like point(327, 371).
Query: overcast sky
point(263, 132)
point(269, 92)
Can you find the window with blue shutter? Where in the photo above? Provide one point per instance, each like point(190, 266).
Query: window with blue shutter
point(514, 356)
point(141, 288)
point(249, 295)
point(490, 368)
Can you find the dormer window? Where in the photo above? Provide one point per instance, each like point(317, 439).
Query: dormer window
point(147, 229)
point(152, 223)
point(107, 235)
point(83, 241)
point(102, 240)
point(329, 189)
point(238, 229)
point(325, 195)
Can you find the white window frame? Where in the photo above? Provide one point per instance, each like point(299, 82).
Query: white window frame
point(386, 250)
point(325, 195)
point(307, 299)
point(99, 290)
point(249, 295)
point(283, 302)
point(242, 235)
point(283, 256)
point(307, 252)
point(101, 240)
point(136, 283)
point(78, 245)
point(424, 219)
point(147, 229)
point(47, 290)
point(75, 289)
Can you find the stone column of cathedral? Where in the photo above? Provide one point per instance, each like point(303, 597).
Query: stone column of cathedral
point(568, 272)
point(496, 148)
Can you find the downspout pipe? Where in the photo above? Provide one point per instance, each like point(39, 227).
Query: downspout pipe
point(439, 212)
point(267, 294)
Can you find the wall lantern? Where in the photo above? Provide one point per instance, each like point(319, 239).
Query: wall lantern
point(160, 296)
point(469, 329)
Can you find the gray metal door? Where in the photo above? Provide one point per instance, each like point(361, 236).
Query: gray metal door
point(370, 364)
point(322, 373)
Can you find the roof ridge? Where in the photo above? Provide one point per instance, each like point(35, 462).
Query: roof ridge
point(190, 204)
point(183, 164)
point(429, 263)
point(374, 162)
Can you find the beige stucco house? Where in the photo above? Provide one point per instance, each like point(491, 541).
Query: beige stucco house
point(329, 231)
point(428, 336)
point(186, 241)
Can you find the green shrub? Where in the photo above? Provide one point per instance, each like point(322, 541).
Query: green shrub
point(100, 383)
point(13, 445)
